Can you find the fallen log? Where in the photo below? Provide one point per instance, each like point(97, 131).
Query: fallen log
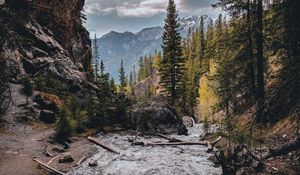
point(48, 168)
point(204, 143)
point(97, 142)
point(172, 139)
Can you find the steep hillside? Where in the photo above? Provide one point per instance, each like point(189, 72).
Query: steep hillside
point(45, 42)
point(41, 37)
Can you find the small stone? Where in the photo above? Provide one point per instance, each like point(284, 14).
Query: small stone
point(93, 164)
point(138, 144)
point(67, 158)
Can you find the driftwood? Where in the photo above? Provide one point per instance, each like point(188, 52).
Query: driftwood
point(204, 143)
point(210, 146)
point(177, 143)
point(97, 142)
point(48, 168)
point(50, 161)
point(283, 149)
point(80, 161)
point(172, 139)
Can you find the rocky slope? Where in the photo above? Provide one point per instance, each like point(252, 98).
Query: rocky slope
point(129, 47)
point(41, 37)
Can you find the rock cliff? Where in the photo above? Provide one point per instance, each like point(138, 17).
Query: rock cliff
point(40, 37)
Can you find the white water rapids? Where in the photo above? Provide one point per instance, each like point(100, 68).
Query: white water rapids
point(150, 160)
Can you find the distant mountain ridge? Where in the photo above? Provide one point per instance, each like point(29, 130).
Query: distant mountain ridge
point(128, 46)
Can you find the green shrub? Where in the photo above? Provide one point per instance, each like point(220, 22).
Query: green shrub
point(51, 85)
point(63, 128)
point(28, 87)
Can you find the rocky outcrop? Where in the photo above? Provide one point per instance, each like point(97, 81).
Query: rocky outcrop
point(141, 89)
point(41, 37)
point(157, 118)
point(48, 101)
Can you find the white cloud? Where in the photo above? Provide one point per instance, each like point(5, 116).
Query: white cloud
point(143, 8)
point(146, 8)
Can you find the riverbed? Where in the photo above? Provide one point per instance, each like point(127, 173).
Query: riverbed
point(149, 160)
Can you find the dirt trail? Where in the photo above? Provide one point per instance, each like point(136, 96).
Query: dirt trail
point(20, 141)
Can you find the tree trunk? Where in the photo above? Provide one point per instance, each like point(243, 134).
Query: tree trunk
point(260, 61)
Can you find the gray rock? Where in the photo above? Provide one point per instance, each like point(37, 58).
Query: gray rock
point(67, 158)
point(157, 118)
point(93, 164)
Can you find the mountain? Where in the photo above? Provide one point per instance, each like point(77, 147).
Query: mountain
point(129, 46)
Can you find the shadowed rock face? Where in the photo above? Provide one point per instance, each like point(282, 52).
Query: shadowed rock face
point(44, 37)
point(157, 118)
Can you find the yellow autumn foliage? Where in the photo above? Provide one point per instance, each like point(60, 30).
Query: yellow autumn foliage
point(207, 98)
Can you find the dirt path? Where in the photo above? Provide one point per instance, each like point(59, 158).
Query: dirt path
point(21, 141)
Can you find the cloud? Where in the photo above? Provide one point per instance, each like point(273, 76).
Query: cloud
point(132, 8)
point(146, 8)
point(134, 15)
point(142, 8)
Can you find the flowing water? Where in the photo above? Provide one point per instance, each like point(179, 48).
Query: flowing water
point(148, 160)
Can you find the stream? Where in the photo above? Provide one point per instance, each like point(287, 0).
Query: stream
point(148, 160)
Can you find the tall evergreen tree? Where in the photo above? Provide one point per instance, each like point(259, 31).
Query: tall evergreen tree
point(260, 61)
point(123, 81)
point(202, 38)
point(96, 57)
point(172, 64)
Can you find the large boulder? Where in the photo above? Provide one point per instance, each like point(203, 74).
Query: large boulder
point(157, 118)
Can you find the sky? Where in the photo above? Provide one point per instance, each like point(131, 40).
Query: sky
point(104, 16)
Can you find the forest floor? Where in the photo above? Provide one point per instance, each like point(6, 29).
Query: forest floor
point(20, 142)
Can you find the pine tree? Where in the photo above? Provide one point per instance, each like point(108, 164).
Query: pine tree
point(156, 60)
point(123, 81)
point(112, 86)
point(102, 69)
point(202, 38)
point(260, 62)
point(142, 71)
point(96, 57)
point(27, 89)
point(172, 64)
point(63, 127)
